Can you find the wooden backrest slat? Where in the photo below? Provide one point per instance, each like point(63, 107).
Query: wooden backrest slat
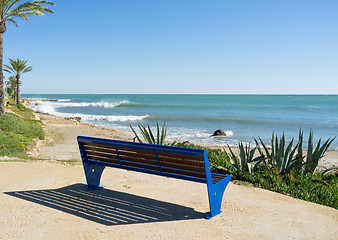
point(101, 159)
point(216, 178)
point(140, 165)
point(98, 156)
point(182, 172)
point(102, 154)
point(139, 160)
point(111, 152)
point(183, 167)
point(97, 149)
point(136, 150)
point(180, 156)
point(139, 155)
point(97, 145)
point(182, 161)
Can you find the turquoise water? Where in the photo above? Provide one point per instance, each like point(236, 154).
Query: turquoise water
point(195, 117)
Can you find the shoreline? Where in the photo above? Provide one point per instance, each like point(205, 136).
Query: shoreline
point(76, 127)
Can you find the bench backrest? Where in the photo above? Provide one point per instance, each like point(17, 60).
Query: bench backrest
point(186, 163)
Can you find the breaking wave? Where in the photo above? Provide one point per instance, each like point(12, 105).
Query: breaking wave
point(63, 103)
point(50, 107)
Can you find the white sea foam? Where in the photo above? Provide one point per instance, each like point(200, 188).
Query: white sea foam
point(49, 100)
point(51, 108)
point(91, 117)
point(62, 103)
point(183, 134)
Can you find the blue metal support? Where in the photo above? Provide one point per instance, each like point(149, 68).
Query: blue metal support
point(159, 161)
point(92, 171)
point(215, 191)
point(118, 155)
point(93, 174)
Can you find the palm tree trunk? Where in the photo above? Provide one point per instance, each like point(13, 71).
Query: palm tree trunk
point(14, 90)
point(17, 89)
point(2, 90)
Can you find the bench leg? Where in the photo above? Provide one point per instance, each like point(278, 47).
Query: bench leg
point(216, 192)
point(93, 174)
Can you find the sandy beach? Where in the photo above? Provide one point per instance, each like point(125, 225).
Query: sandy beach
point(48, 199)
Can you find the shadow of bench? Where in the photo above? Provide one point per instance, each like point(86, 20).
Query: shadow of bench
point(106, 206)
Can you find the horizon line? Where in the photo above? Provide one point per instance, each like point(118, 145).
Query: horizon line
point(286, 94)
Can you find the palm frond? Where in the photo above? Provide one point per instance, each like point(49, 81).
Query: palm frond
point(11, 9)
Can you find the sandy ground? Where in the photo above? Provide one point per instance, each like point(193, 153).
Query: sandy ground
point(61, 134)
point(61, 144)
point(48, 200)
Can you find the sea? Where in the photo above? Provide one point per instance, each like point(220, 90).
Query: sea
point(194, 118)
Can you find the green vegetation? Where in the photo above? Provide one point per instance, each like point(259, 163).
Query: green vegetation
point(17, 132)
point(310, 186)
point(19, 109)
point(149, 136)
point(286, 159)
point(11, 86)
point(246, 161)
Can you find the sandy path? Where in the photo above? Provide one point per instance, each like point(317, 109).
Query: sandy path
point(61, 143)
point(41, 200)
point(48, 200)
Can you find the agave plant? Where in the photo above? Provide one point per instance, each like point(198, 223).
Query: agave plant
point(285, 159)
point(330, 170)
point(314, 154)
point(281, 156)
point(149, 136)
point(246, 161)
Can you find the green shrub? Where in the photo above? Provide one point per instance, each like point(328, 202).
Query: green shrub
point(318, 188)
point(10, 146)
point(20, 109)
point(17, 133)
point(148, 135)
point(285, 159)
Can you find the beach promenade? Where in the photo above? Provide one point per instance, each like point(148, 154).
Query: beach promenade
point(48, 200)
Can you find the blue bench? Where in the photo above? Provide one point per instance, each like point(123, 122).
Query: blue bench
point(183, 163)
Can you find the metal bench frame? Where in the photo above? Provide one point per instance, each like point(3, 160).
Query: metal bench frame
point(216, 183)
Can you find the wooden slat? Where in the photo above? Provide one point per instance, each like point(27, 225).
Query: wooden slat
point(98, 145)
point(182, 161)
point(140, 165)
point(181, 156)
point(102, 154)
point(183, 167)
point(101, 159)
point(138, 155)
point(106, 150)
point(139, 160)
point(185, 173)
point(123, 154)
point(217, 178)
point(135, 150)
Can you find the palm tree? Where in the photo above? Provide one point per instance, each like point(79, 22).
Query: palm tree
point(10, 10)
point(17, 67)
point(11, 86)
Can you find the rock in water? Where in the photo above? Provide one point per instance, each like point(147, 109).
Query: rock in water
point(219, 132)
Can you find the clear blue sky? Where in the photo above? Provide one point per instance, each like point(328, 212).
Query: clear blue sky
point(180, 46)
